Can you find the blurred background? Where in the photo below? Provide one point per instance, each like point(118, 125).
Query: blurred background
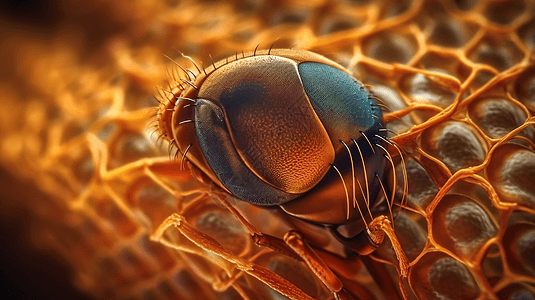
point(84, 184)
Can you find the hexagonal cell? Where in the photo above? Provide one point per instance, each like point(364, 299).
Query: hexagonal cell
point(138, 96)
point(158, 252)
point(108, 210)
point(229, 294)
point(456, 144)
point(290, 15)
point(526, 249)
point(422, 189)
point(71, 130)
point(498, 54)
point(477, 193)
point(389, 96)
point(527, 32)
point(518, 216)
point(517, 291)
point(439, 276)
point(245, 34)
point(357, 2)
point(444, 63)
point(95, 235)
point(189, 286)
point(80, 162)
point(154, 201)
point(74, 245)
point(107, 131)
point(492, 265)
point(427, 89)
point(128, 148)
point(114, 274)
point(462, 226)
point(482, 78)
point(339, 21)
point(525, 88)
point(134, 264)
point(395, 8)
point(411, 232)
point(497, 116)
point(519, 245)
point(511, 172)
point(390, 48)
point(464, 4)
point(167, 290)
point(449, 32)
point(504, 12)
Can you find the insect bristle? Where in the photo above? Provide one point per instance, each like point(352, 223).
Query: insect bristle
point(181, 68)
point(184, 157)
point(391, 201)
point(213, 63)
point(172, 144)
point(189, 83)
point(270, 47)
point(193, 62)
point(203, 68)
point(403, 202)
point(367, 198)
point(178, 80)
point(355, 202)
point(169, 98)
point(345, 189)
point(367, 139)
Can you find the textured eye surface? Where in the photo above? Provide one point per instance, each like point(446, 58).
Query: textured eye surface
point(281, 148)
point(294, 149)
point(281, 127)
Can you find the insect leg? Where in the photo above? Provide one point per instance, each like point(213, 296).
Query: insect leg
point(259, 238)
point(293, 246)
point(315, 263)
point(206, 243)
point(382, 226)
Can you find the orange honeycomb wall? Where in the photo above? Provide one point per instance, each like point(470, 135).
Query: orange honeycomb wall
point(76, 127)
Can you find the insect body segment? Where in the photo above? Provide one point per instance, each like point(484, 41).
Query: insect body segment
point(283, 127)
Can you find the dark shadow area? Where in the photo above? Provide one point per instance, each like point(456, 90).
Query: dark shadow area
point(25, 272)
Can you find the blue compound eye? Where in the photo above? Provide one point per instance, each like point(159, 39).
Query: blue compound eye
point(283, 127)
point(343, 104)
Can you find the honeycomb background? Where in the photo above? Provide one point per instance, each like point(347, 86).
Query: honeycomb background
point(86, 183)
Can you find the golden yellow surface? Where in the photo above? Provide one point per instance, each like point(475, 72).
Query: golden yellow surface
point(77, 103)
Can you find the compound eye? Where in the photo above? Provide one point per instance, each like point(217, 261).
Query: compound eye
point(342, 103)
point(271, 126)
point(226, 163)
